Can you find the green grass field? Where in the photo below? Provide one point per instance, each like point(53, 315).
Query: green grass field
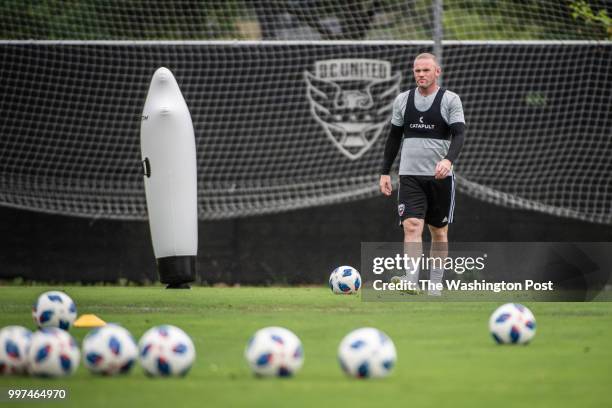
point(445, 354)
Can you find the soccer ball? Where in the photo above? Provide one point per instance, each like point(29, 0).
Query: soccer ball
point(54, 309)
point(512, 323)
point(274, 351)
point(345, 280)
point(367, 353)
point(53, 353)
point(166, 351)
point(109, 350)
point(14, 345)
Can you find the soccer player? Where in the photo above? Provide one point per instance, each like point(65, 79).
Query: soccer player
point(429, 125)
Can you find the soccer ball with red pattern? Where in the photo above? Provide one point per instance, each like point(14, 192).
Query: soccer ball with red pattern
point(345, 280)
point(14, 345)
point(274, 352)
point(367, 353)
point(53, 353)
point(166, 351)
point(54, 309)
point(109, 350)
point(512, 323)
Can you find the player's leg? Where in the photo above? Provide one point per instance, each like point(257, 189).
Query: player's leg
point(413, 229)
point(439, 241)
point(439, 234)
point(438, 253)
point(441, 199)
point(412, 206)
point(413, 247)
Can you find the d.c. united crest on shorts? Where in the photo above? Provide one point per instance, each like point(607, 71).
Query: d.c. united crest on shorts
point(352, 99)
point(400, 209)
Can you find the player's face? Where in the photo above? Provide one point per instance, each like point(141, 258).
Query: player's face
point(426, 72)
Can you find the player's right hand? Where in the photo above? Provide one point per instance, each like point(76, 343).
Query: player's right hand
point(385, 185)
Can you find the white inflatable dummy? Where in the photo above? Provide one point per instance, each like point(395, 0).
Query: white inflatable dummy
point(170, 175)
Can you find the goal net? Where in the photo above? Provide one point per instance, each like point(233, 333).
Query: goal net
point(291, 101)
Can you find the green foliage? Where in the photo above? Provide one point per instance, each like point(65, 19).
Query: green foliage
point(511, 20)
point(581, 10)
point(119, 19)
point(360, 19)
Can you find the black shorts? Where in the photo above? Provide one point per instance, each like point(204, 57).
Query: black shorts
point(426, 198)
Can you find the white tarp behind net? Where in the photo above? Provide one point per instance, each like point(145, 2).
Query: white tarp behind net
point(296, 112)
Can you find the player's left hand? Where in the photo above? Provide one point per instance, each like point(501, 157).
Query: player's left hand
point(443, 168)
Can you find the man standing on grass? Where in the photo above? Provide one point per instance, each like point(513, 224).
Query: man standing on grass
point(429, 126)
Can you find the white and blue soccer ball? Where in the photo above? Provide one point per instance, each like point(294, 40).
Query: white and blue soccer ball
point(274, 352)
point(166, 351)
point(512, 323)
point(54, 309)
point(109, 350)
point(14, 345)
point(345, 280)
point(367, 353)
point(53, 353)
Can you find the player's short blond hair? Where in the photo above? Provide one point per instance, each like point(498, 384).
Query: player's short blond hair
point(427, 55)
